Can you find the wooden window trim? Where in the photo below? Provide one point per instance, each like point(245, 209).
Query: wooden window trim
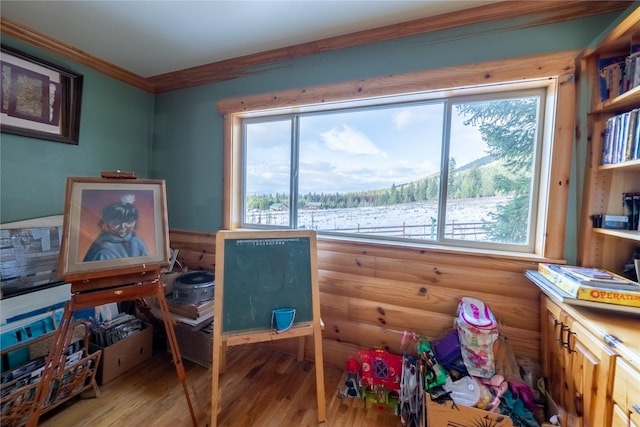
point(560, 65)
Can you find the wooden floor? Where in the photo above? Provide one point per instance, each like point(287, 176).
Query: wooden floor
point(261, 387)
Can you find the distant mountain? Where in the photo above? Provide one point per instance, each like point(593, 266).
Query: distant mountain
point(483, 161)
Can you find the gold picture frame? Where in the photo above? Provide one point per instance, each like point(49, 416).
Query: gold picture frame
point(39, 99)
point(113, 227)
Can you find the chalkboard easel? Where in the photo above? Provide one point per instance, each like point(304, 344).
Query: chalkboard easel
point(257, 272)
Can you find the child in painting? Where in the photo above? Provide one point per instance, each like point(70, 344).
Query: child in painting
point(117, 238)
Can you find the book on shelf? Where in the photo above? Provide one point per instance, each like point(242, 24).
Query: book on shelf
point(631, 202)
point(636, 210)
point(621, 138)
point(592, 284)
point(611, 76)
point(619, 73)
point(190, 310)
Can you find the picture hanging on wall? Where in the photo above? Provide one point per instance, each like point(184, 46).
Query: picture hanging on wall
point(113, 227)
point(39, 99)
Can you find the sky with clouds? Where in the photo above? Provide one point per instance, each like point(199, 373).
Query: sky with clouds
point(357, 150)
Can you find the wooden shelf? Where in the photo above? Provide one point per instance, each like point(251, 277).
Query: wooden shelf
point(619, 37)
point(622, 234)
point(624, 101)
point(631, 165)
point(605, 184)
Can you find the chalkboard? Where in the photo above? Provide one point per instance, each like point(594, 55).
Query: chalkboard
point(263, 271)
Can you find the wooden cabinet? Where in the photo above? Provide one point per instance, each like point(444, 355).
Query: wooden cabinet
point(577, 366)
point(605, 184)
point(591, 364)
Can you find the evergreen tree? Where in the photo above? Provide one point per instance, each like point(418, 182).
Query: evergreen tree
point(471, 186)
point(509, 129)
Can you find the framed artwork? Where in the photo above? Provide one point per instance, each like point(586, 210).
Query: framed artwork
point(113, 227)
point(39, 99)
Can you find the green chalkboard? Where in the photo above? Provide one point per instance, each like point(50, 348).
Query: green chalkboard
point(264, 271)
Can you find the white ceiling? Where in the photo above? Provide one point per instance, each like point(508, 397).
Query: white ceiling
point(150, 38)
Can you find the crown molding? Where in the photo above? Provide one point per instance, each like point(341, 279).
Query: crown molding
point(537, 13)
point(44, 42)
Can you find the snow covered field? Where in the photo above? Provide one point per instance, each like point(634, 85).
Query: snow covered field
point(417, 218)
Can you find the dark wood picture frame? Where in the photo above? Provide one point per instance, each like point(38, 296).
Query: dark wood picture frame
point(96, 210)
point(39, 99)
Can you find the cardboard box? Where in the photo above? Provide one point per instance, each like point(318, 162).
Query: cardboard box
point(448, 414)
point(194, 345)
point(124, 355)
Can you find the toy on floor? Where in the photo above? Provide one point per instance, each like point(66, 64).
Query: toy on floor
point(411, 399)
point(435, 374)
point(381, 368)
point(353, 381)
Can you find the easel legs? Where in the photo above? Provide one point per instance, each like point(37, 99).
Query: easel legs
point(175, 351)
point(52, 366)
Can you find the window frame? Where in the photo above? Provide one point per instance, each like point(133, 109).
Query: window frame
point(544, 89)
point(559, 66)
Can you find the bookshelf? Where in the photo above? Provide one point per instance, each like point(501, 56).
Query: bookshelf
point(605, 184)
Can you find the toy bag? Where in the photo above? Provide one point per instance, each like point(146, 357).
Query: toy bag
point(449, 354)
point(477, 331)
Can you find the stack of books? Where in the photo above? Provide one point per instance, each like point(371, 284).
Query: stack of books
point(120, 327)
point(191, 310)
point(592, 284)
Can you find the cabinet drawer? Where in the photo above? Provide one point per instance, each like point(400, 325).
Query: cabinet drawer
point(620, 417)
point(626, 389)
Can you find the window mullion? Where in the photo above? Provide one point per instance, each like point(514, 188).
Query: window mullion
point(444, 171)
point(295, 169)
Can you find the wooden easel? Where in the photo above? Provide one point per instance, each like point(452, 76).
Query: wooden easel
point(223, 339)
point(91, 293)
point(110, 285)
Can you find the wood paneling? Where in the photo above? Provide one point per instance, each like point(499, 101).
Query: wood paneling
point(537, 13)
point(467, 75)
point(371, 293)
point(197, 250)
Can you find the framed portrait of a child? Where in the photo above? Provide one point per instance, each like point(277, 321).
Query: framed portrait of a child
point(113, 227)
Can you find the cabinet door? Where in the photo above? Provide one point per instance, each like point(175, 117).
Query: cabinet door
point(584, 371)
point(554, 366)
point(633, 398)
point(556, 360)
point(591, 371)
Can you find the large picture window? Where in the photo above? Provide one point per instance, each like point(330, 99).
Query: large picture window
point(377, 169)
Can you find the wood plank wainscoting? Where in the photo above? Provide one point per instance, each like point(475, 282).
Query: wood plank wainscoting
point(371, 293)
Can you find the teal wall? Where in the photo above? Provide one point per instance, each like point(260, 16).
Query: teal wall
point(188, 129)
point(116, 128)
point(121, 125)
